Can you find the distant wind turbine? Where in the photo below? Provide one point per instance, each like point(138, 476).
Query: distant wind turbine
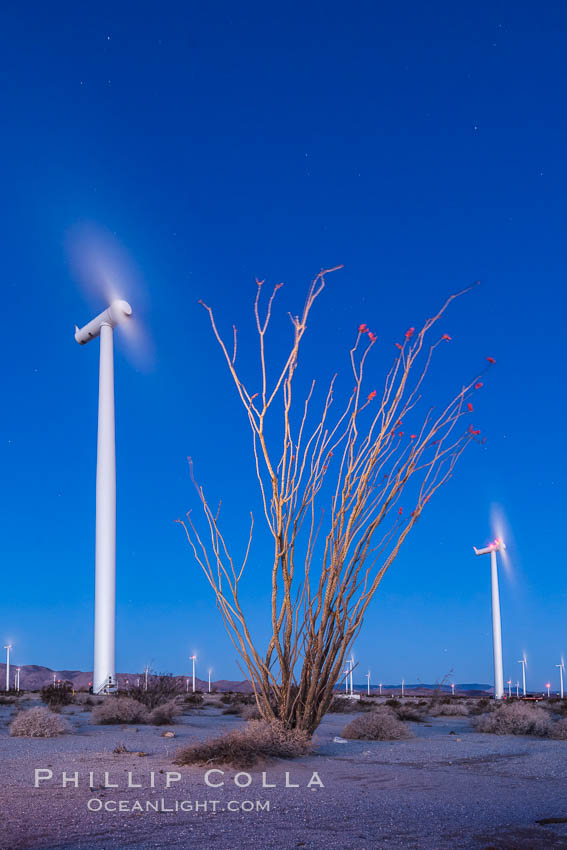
point(561, 668)
point(523, 662)
point(494, 547)
point(8, 647)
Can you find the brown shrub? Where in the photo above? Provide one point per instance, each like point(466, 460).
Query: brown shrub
point(161, 688)
point(515, 719)
point(38, 723)
point(246, 747)
point(559, 730)
point(381, 724)
point(408, 712)
point(233, 698)
point(119, 710)
point(343, 705)
point(250, 712)
point(164, 714)
point(451, 709)
point(195, 700)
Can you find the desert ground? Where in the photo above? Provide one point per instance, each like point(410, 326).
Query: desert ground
point(447, 787)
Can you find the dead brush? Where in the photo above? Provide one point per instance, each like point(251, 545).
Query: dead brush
point(516, 719)
point(407, 711)
point(449, 709)
point(559, 730)
point(381, 724)
point(164, 714)
point(38, 723)
point(119, 710)
point(242, 748)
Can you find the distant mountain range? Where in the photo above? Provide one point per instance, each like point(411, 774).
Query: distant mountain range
point(34, 677)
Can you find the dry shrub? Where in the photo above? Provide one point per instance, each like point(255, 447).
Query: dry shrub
point(38, 723)
point(381, 724)
point(161, 688)
point(250, 712)
point(57, 695)
point(194, 700)
point(343, 705)
point(246, 747)
point(481, 706)
point(164, 714)
point(559, 731)
point(119, 710)
point(408, 712)
point(234, 698)
point(516, 719)
point(452, 709)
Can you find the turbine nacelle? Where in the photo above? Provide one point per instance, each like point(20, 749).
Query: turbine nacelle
point(117, 312)
point(496, 546)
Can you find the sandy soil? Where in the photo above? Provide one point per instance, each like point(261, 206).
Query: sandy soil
point(439, 790)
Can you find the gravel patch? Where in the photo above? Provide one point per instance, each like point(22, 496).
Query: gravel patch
point(448, 787)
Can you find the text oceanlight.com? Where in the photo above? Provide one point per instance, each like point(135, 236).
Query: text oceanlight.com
point(162, 805)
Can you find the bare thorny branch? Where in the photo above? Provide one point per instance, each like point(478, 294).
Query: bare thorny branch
point(358, 465)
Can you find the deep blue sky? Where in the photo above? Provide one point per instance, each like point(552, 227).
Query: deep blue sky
point(421, 146)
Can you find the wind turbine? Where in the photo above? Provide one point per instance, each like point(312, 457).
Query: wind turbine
point(210, 671)
point(452, 689)
point(509, 683)
point(492, 549)
point(380, 686)
point(548, 686)
point(368, 682)
point(517, 690)
point(523, 662)
point(104, 674)
point(17, 678)
point(403, 684)
point(8, 647)
point(193, 658)
point(561, 668)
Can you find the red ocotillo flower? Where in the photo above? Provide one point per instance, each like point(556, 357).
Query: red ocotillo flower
point(410, 332)
point(491, 359)
point(413, 436)
point(371, 395)
point(447, 337)
point(479, 385)
point(400, 511)
point(470, 407)
point(362, 329)
point(472, 431)
point(372, 337)
point(397, 344)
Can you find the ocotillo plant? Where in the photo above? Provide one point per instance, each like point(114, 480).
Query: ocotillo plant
point(332, 494)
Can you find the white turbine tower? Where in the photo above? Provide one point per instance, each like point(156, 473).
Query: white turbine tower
point(561, 668)
point(8, 647)
point(492, 549)
point(104, 675)
point(193, 658)
point(368, 682)
point(523, 662)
